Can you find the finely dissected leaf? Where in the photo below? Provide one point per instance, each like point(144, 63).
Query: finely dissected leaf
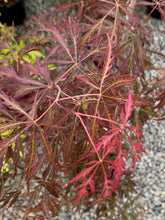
point(118, 165)
point(8, 141)
point(34, 107)
point(73, 30)
point(14, 199)
point(153, 114)
point(5, 111)
point(53, 206)
point(31, 159)
point(37, 208)
point(33, 195)
point(85, 80)
point(107, 66)
point(43, 70)
point(137, 148)
point(83, 192)
point(90, 29)
point(108, 188)
point(121, 80)
point(65, 6)
point(128, 109)
point(51, 189)
point(108, 143)
point(59, 39)
point(84, 173)
point(52, 51)
point(36, 102)
point(61, 62)
point(9, 125)
point(122, 116)
point(70, 141)
point(49, 153)
point(45, 207)
point(12, 104)
point(30, 70)
point(40, 164)
point(8, 198)
point(11, 74)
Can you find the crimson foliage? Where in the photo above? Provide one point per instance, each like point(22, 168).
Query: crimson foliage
point(72, 120)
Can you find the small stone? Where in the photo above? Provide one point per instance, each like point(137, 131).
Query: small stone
point(147, 195)
point(154, 186)
point(157, 203)
point(67, 218)
point(152, 130)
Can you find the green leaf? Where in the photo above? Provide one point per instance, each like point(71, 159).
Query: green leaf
point(153, 114)
point(5, 51)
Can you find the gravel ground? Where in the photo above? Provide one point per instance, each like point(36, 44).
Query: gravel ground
point(150, 171)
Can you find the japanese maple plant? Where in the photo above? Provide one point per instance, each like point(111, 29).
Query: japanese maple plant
point(73, 100)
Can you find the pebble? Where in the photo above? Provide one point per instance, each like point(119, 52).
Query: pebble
point(152, 130)
point(157, 203)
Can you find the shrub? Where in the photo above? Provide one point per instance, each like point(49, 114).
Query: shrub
point(72, 112)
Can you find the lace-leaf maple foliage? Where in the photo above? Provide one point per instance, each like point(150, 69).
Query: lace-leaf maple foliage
point(71, 114)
